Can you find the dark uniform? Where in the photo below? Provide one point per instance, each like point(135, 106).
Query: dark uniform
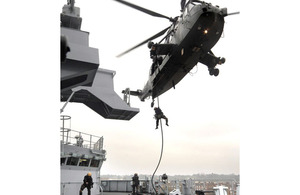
point(135, 184)
point(158, 115)
point(87, 183)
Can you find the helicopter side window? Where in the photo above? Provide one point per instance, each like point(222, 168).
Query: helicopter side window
point(185, 12)
point(188, 7)
point(176, 25)
point(168, 37)
point(171, 32)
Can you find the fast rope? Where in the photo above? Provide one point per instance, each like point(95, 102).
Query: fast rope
point(161, 151)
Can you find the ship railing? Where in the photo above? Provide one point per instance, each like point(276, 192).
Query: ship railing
point(80, 139)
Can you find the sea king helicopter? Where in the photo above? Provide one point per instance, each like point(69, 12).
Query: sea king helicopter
point(188, 40)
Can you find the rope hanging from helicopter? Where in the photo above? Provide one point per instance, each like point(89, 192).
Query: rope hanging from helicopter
point(161, 151)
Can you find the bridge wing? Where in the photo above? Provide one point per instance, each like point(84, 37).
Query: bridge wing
point(102, 98)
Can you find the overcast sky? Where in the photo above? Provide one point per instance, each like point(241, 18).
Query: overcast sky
point(244, 121)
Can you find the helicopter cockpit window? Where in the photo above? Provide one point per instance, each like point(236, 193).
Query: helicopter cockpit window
point(196, 2)
point(169, 34)
point(188, 7)
point(185, 11)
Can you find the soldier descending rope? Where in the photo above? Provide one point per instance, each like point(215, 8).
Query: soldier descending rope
point(159, 115)
point(135, 184)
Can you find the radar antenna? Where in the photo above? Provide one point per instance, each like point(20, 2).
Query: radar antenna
point(71, 3)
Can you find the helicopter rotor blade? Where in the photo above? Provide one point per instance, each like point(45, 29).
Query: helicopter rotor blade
point(152, 13)
point(142, 43)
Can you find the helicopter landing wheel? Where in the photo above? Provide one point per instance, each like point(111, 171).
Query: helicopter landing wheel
point(214, 71)
point(221, 61)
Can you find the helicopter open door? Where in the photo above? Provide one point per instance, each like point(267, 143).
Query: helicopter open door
point(162, 49)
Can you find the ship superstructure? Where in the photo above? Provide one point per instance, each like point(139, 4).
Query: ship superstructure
point(82, 81)
point(80, 153)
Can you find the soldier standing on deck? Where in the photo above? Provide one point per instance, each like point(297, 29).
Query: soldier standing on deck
point(135, 184)
point(87, 183)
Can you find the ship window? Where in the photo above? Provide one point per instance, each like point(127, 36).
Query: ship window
point(72, 161)
point(95, 163)
point(62, 161)
point(84, 162)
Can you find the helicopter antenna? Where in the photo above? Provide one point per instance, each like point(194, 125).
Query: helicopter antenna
point(233, 13)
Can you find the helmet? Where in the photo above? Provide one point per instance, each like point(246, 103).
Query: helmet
point(89, 174)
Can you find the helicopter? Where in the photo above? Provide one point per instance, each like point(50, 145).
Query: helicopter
point(188, 41)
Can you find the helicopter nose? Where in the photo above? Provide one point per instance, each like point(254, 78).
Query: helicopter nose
point(210, 28)
point(211, 18)
point(211, 22)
